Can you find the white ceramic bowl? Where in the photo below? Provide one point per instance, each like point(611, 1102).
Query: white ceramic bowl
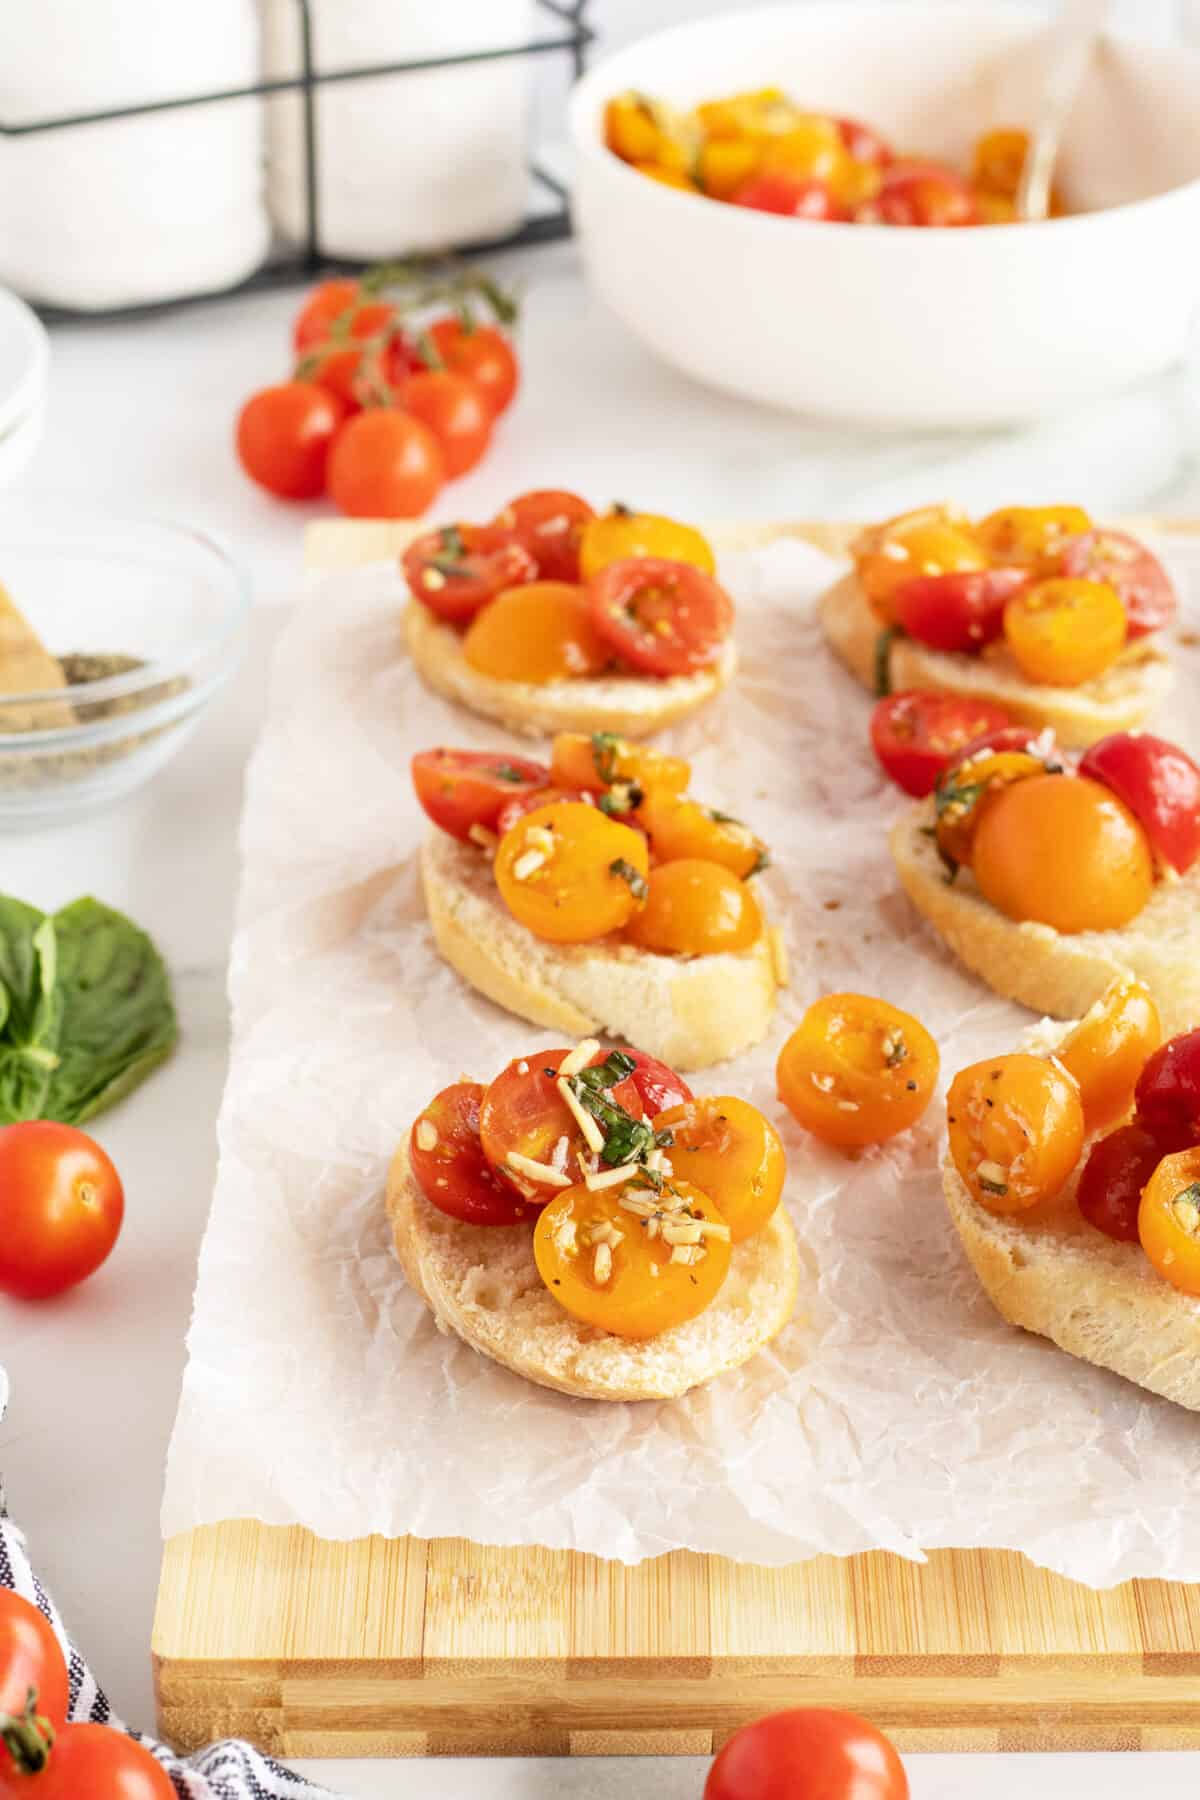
point(905, 326)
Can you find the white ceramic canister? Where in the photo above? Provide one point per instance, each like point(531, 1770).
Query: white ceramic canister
point(132, 210)
point(409, 162)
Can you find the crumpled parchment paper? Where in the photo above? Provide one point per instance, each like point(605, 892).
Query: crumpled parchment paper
point(898, 1411)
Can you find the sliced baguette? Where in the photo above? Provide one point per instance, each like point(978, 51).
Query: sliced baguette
point(632, 705)
point(690, 1011)
point(1051, 1272)
point(483, 1284)
point(1047, 970)
point(1121, 699)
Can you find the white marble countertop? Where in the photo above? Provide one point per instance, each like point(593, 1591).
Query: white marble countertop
point(141, 415)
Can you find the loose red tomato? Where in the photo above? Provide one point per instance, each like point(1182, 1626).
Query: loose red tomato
point(961, 611)
point(864, 143)
point(31, 1663)
point(920, 193)
point(61, 1204)
point(662, 618)
point(465, 789)
point(810, 1753)
point(531, 799)
point(792, 196)
point(93, 1762)
point(1110, 1186)
point(454, 409)
point(524, 1119)
point(482, 353)
point(456, 570)
point(1168, 1093)
point(284, 436)
point(1141, 581)
point(916, 736)
point(548, 523)
point(385, 465)
point(1159, 784)
point(445, 1153)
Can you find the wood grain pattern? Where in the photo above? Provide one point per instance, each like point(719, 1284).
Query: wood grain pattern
point(404, 1647)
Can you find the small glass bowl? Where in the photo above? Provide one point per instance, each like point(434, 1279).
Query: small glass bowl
point(147, 619)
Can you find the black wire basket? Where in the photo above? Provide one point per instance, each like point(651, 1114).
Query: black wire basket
point(569, 35)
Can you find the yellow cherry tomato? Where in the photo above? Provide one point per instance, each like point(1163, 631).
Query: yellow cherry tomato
point(761, 112)
point(967, 788)
point(1169, 1220)
point(1025, 536)
point(640, 130)
point(683, 829)
point(537, 633)
point(1064, 851)
point(631, 1261)
point(934, 540)
point(1108, 1049)
point(676, 178)
point(1016, 1130)
point(600, 759)
point(695, 909)
point(1065, 632)
point(726, 1148)
point(621, 534)
point(812, 149)
point(723, 165)
point(570, 873)
point(856, 1071)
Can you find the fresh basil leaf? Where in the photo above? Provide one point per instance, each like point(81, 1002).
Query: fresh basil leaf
point(615, 1067)
point(605, 747)
point(636, 882)
point(28, 1010)
point(883, 659)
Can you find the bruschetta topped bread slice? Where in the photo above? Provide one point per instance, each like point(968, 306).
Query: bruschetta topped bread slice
point(553, 617)
point(1033, 609)
point(591, 893)
point(589, 1223)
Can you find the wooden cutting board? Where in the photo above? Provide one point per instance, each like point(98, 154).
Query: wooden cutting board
point(412, 1648)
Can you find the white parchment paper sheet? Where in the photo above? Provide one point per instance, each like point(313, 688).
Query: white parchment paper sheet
point(897, 1411)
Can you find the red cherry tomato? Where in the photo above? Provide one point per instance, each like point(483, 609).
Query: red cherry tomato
point(62, 1206)
point(329, 301)
point(30, 1659)
point(455, 571)
point(807, 1754)
point(916, 736)
point(548, 522)
point(1141, 581)
point(284, 436)
point(1110, 1187)
point(523, 1113)
point(385, 465)
point(460, 789)
point(1159, 784)
point(454, 409)
point(482, 353)
point(352, 373)
point(864, 143)
point(532, 799)
point(920, 194)
point(961, 611)
point(1167, 1095)
point(658, 1086)
point(1008, 738)
point(446, 1157)
point(93, 1762)
point(790, 195)
point(662, 618)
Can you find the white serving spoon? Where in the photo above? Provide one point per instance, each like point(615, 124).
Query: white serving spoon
point(1069, 48)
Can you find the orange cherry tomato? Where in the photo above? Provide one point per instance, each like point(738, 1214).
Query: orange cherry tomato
point(683, 829)
point(934, 540)
point(602, 760)
point(1029, 535)
point(725, 165)
point(726, 1148)
point(522, 1114)
point(758, 113)
point(1108, 1049)
point(856, 1071)
point(1169, 1220)
point(537, 633)
point(812, 149)
point(602, 1265)
point(384, 465)
point(617, 535)
point(571, 874)
point(1016, 1130)
point(1064, 851)
point(695, 909)
point(640, 131)
point(1065, 632)
point(998, 160)
point(968, 785)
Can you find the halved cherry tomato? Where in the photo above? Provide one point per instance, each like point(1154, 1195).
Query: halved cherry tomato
point(792, 196)
point(1030, 536)
point(864, 142)
point(514, 810)
point(723, 165)
point(856, 1071)
point(1113, 1177)
point(971, 780)
point(481, 353)
point(809, 1753)
point(760, 113)
point(1169, 1220)
point(681, 829)
point(1064, 851)
point(920, 193)
point(1159, 783)
point(1168, 1092)
point(934, 540)
point(62, 1204)
point(1065, 632)
point(658, 1086)
point(543, 631)
point(455, 571)
point(465, 789)
point(602, 760)
point(1016, 1130)
point(620, 535)
point(1141, 582)
point(811, 148)
point(726, 1148)
point(695, 908)
point(962, 611)
point(548, 523)
point(662, 618)
point(603, 1267)
point(1109, 1047)
point(522, 1114)
point(571, 874)
point(998, 160)
point(639, 130)
point(31, 1662)
point(445, 1152)
point(916, 735)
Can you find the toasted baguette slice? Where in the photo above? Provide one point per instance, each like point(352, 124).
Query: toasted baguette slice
point(1051, 1272)
point(689, 1011)
point(482, 1283)
point(1050, 971)
point(1121, 699)
point(631, 705)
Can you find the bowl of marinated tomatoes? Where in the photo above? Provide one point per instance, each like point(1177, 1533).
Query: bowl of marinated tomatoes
point(814, 206)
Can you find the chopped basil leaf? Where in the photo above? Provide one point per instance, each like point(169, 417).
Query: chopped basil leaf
point(993, 1187)
point(606, 746)
point(664, 1139)
point(722, 818)
point(505, 772)
point(762, 861)
point(626, 1139)
point(1191, 1193)
point(638, 885)
point(615, 1067)
point(452, 540)
point(622, 797)
point(883, 659)
point(958, 797)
